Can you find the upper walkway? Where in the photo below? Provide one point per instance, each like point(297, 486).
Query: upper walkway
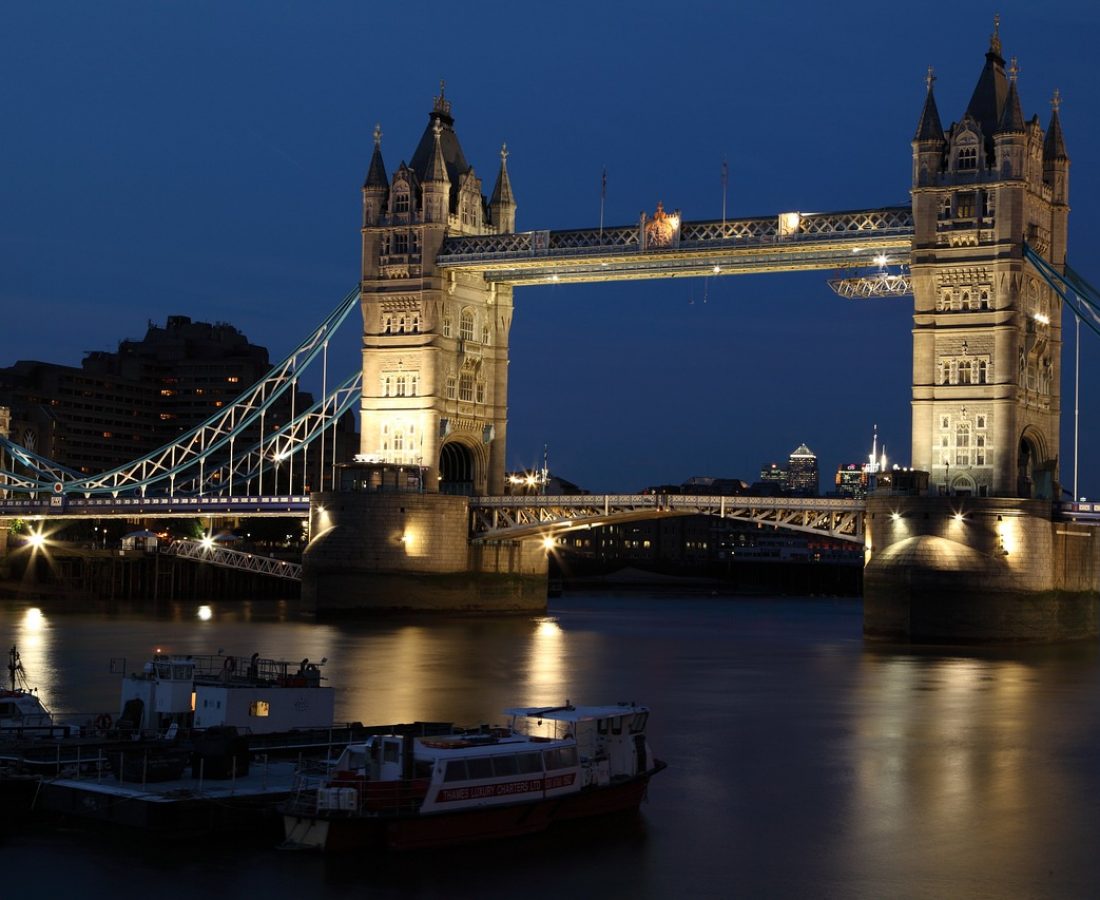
point(665, 247)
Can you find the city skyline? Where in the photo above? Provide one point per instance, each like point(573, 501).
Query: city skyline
point(208, 164)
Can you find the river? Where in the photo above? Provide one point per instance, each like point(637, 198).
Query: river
point(803, 762)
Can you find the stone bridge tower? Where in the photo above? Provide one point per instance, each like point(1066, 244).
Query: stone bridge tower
point(435, 344)
point(987, 331)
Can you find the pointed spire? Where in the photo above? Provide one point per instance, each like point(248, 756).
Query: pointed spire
point(376, 173)
point(929, 128)
point(437, 169)
point(988, 100)
point(502, 192)
point(1012, 117)
point(1054, 147)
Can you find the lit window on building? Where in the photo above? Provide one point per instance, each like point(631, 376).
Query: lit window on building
point(466, 388)
point(259, 708)
point(466, 325)
point(451, 387)
point(233, 379)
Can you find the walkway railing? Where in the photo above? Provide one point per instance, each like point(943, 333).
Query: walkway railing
point(215, 555)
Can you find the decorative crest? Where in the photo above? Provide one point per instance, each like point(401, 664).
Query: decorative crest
point(930, 77)
point(1013, 69)
point(503, 154)
point(442, 104)
point(660, 231)
point(1056, 100)
point(995, 38)
point(377, 135)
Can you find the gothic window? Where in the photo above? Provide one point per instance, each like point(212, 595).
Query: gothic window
point(387, 325)
point(945, 441)
point(414, 384)
point(446, 326)
point(485, 334)
point(401, 243)
point(466, 325)
point(401, 202)
point(979, 450)
point(466, 387)
point(945, 207)
point(966, 300)
point(967, 159)
point(990, 204)
point(398, 440)
point(401, 325)
point(964, 371)
point(450, 387)
point(964, 204)
point(962, 444)
point(944, 378)
point(982, 371)
point(387, 385)
point(945, 301)
point(416, 324)
point(481, 392)
point(945, 421)
point(983, 300)
point(401, 384)
point(980, 421)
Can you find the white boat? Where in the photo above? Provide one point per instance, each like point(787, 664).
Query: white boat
point(253, 694)
point(22, 714)
point(401, 792)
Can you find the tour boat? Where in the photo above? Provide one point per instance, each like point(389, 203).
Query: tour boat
point(550, 765)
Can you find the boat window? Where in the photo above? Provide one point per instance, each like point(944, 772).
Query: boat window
point(480, 767)
point(259, 708)
point(561, 758)
point(601, 726)
point(529, 763)
point(456, 770)
point(637, 724)
point(505, 765)
point(617, 725)
point(390, 751)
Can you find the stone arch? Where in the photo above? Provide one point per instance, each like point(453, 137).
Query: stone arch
point(462, 467)
point(1032, 459)
point(963, 486)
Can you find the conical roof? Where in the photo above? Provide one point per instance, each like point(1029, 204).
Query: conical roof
point(1012, 117)
point(929, 128)
point(453, 157)
point(988, 100)
point(376, 173)
point(1054, 147)
point(502, 191)
point(803, 451)
point(437, 168)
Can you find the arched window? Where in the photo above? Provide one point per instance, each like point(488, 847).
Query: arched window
point(416, 325)
point(983, 300)
point(964, 371)
point(414, 384)
point(466, 325)
point(401, 201)
point(485, 334)
point(481, 392)
point(398, 440)
point(967, 159)
point(402, 385)
point(979, 450)
point(387, 325)
point(983, 371)
point(387, 386)
point(962, 444)
point(466, 387)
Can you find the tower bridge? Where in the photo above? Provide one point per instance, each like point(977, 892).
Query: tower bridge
point(981, 248)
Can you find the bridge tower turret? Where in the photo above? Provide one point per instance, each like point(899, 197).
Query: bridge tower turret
point(986, 328)
point(435, 344)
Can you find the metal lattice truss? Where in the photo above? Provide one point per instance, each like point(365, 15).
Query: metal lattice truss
point(211, 553)
point(512, 518)
point(239, 468)
point(788, 242)
point(191, 450)
point(878, 284)
point(1080, 296)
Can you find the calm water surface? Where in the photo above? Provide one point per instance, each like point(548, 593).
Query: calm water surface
point(802, 761)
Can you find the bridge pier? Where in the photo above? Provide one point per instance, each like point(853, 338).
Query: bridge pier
point(392, 552)
point(969, 569)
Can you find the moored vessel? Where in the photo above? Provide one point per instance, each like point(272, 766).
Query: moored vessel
point(551, 764)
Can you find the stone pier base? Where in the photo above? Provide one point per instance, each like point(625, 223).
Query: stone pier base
point(965, 569)
point(391, 552)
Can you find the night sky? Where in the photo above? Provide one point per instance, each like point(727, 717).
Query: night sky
point(205, 159)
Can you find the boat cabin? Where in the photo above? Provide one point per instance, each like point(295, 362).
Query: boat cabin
point(250, 693)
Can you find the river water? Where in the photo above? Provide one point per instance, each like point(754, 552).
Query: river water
point(803, 762)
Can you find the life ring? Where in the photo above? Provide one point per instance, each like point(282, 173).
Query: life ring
point(230, 664)
point(103, 722)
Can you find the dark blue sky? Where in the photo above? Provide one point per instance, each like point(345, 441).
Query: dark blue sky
point(205, 159)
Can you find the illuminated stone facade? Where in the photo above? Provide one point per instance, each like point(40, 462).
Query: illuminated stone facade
point(435, 343)
point(987, 329)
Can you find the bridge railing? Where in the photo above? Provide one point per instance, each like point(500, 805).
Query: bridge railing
point(234, 559)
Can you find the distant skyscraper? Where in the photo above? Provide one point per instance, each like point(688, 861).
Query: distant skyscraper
point(802, 472)
point(852, 480)
point(773, 473)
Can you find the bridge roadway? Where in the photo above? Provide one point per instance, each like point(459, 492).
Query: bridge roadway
point(788, 242)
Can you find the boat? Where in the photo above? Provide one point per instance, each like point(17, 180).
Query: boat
point(22, 714)
point(401, 792)
point(250, 693)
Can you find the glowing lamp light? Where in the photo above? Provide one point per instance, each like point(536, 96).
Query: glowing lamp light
point(881, 259)
point(717, 269)
point(407, 539)
point(1042, 319)
point(894, 516)
point(548, 543)
point(207, 543)
point(36, 539)
point(205, 613)
point(958, 517)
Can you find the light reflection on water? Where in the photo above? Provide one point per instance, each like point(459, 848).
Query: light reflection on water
point(803, 762)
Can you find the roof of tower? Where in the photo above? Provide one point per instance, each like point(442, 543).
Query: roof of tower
point(502, 191)
point(1012, 117)
point(376, 173)
point(929, 128)
point(1054, 147)
point(453, 157)
point(988, 100)
point(803, 451)
point(437, 168)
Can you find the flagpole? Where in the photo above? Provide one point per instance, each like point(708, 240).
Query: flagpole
point(725, 185)
point(603, 197)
